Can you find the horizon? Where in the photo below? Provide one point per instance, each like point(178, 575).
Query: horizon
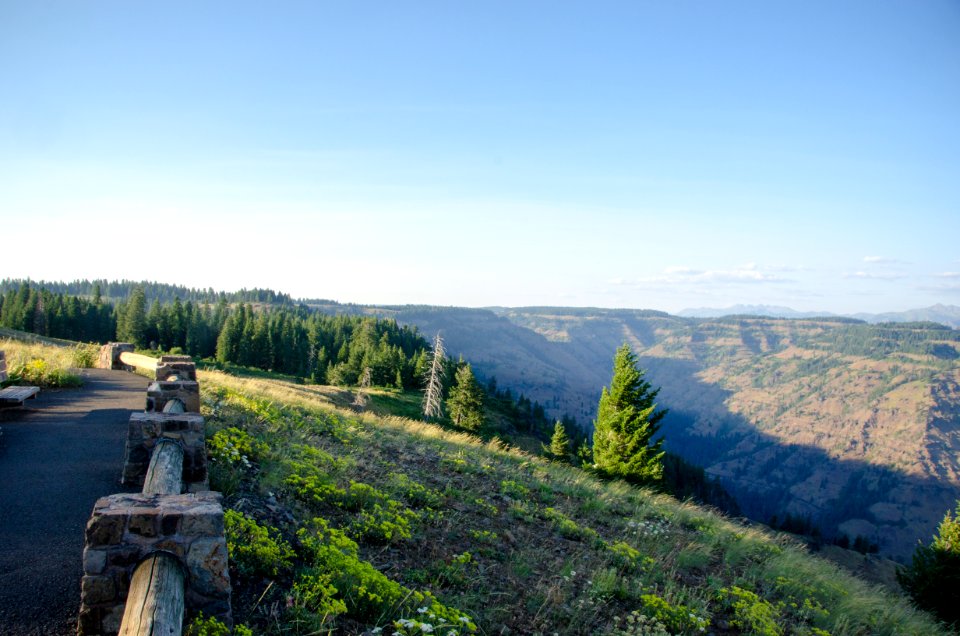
point(632, 156)
point(739, 307)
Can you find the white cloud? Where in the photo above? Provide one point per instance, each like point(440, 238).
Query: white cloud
point(948, 275)
point(873, 275)
point(883, 260)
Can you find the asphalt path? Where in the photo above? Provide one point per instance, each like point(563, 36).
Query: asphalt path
point(57, 457)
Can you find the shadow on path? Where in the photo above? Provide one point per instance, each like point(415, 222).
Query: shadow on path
point(57, 457)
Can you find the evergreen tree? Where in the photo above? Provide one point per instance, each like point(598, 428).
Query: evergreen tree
point(466, 400)
point(627, 420)
point(559, 443)
point(135, 319)
point(933, 578)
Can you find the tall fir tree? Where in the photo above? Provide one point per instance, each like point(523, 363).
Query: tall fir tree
point(135, 319)
point(933, 577)
point(465, 403)
point(627, 420)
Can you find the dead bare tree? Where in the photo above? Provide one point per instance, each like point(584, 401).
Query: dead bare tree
point(360, 401)
point(433, 395)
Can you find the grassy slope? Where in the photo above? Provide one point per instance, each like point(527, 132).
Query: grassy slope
point(516, 543)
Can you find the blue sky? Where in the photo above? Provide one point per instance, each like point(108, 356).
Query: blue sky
point(623, 154)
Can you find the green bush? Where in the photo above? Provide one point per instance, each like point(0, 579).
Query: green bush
point(679, 619)
point(235, 446)
point(315, 599)
point(85, 356)
point(255, 550)
point(750, 612)
point(201, 626)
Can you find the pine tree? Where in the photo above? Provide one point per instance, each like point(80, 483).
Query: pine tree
point(433, 394)
point(560, 442)
point(933, 578)
point(135, 319)
point(627, 420)
point(466, 400)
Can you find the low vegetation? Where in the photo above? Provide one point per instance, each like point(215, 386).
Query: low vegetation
point(43, 362)
point(342, 522)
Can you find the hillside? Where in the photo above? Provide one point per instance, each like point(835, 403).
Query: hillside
point(853, 425)
point(356, 523)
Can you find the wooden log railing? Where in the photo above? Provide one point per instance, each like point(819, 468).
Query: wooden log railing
point(165, 472)
point(155, 601)
point(139, 361)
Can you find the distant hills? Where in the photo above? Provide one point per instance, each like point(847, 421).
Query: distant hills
point(853, 426)
point(943, 314)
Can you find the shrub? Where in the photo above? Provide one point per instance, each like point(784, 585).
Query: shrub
point(201, 626)
point(315, 599)
point(750, 612)
point(235, 446)
point(676, 618)
point(255, 550)
point(85, 356)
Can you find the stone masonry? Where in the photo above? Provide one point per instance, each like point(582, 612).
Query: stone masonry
point(126, 528)
point(144, 429)
point(181, 367)
point(110, 356)
point(159, 393)
point(3, 367)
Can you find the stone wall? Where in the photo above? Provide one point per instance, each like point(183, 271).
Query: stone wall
point(143, 431)
point(110, 356)
point(159, 393)
point(3, 366)
point(126, 528)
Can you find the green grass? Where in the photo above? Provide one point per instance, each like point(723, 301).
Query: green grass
point(387, 516)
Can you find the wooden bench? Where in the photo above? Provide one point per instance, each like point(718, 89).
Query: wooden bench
point(16, 395)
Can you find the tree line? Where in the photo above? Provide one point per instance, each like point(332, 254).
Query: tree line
point(121, 290)
point(55, 315)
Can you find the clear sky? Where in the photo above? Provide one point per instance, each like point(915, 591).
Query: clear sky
point(658, 155)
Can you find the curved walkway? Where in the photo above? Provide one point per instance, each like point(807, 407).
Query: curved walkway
point(57, 457)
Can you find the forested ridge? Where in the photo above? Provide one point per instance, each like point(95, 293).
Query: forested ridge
point(282, 338)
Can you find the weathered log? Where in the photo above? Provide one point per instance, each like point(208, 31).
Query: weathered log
point(175, 405)
point(165, 472)
point(155, 602)
point(139, 361)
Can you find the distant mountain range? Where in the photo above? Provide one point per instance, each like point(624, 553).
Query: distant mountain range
point(943, 314)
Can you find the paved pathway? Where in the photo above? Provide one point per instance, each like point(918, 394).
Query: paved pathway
point(56, 459)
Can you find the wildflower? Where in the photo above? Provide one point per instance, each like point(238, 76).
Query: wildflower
point(426, 628)
point(422, 610)
point(464, 619)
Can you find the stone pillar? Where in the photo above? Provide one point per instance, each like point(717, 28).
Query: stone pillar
point(143, 432)
point(125, 529)
point(3, 367)
point(110, 356)
point(159, 393)
point(180, 366)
